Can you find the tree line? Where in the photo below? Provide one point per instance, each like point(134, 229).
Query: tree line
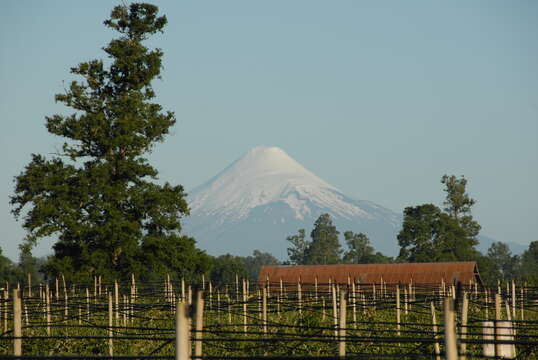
point(428, 234)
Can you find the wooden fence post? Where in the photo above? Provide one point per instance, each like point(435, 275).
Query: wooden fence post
point(498, 315)
point(117, 302)
point(264, 310)
point(199, 326)
point(110, 322)
point(48, 296)
point(354, 303)
point(464, 312)
point(244, 307)
point(182, 332)
point(335, 311)
point(522, 315)
point(66, 304)
point(436, 348)
point(6, 298)
point(405, 301)
point(87, 304)
point(513, 300)
point(398, 310)
point(299, 297)
point(342, 326)
point(451, 349)
point(487, 303)
point(29, 285)
point(210, 296)
point(183, 295)
point(17, 323)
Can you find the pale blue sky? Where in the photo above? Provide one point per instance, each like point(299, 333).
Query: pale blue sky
point(379, 98)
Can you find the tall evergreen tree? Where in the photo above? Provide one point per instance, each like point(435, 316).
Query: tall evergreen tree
point(458, 204)
point(98, 195)
point(325, 246)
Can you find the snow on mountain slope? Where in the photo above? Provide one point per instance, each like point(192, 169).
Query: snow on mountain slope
point(262, 176)
point(265, 196)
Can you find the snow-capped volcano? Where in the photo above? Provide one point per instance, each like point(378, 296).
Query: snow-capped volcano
point(265, 196)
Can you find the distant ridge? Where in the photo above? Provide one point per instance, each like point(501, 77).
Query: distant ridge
point(266, 195)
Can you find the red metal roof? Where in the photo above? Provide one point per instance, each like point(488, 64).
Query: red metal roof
point(418, 273)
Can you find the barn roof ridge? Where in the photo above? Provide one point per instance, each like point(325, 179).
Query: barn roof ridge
point(393, 264)
point(401, 272)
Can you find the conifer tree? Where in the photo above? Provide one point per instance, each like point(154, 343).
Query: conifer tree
point(458, 204)
point(325, 246)
point(99, 195)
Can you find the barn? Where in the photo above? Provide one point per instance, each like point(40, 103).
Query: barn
point(465, 272)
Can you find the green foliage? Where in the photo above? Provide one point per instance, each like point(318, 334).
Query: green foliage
point(529, 263)
point(8, 270)
point(299, 246)
point(13, 273)
point(255, 262)
point(360, 251)
point(175, 255)
point(30, 265)
point(505, 265)
point(98, 194)
point(359, 248)
point(225, 269)
point(487, 268)
point(325, 246)
point(290, 333)
point(458, 204)
point(430, 235)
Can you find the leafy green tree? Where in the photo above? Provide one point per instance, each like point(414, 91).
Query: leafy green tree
point(30, 265)
point(255, 262)
point(177, 256)
point(505, 265)
point(8, 271)
point(226, 267)
point(299, 246)
point(360, 251)
point(418, 237)
point(99, 195)
point(429, 235)
point(487, 268)
point(529, 263)
point(325, 246)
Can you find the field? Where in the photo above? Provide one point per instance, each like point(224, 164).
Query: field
point(270, 320)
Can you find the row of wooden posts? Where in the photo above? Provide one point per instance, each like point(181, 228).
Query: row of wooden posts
point(492, 330)
point(409, 292)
